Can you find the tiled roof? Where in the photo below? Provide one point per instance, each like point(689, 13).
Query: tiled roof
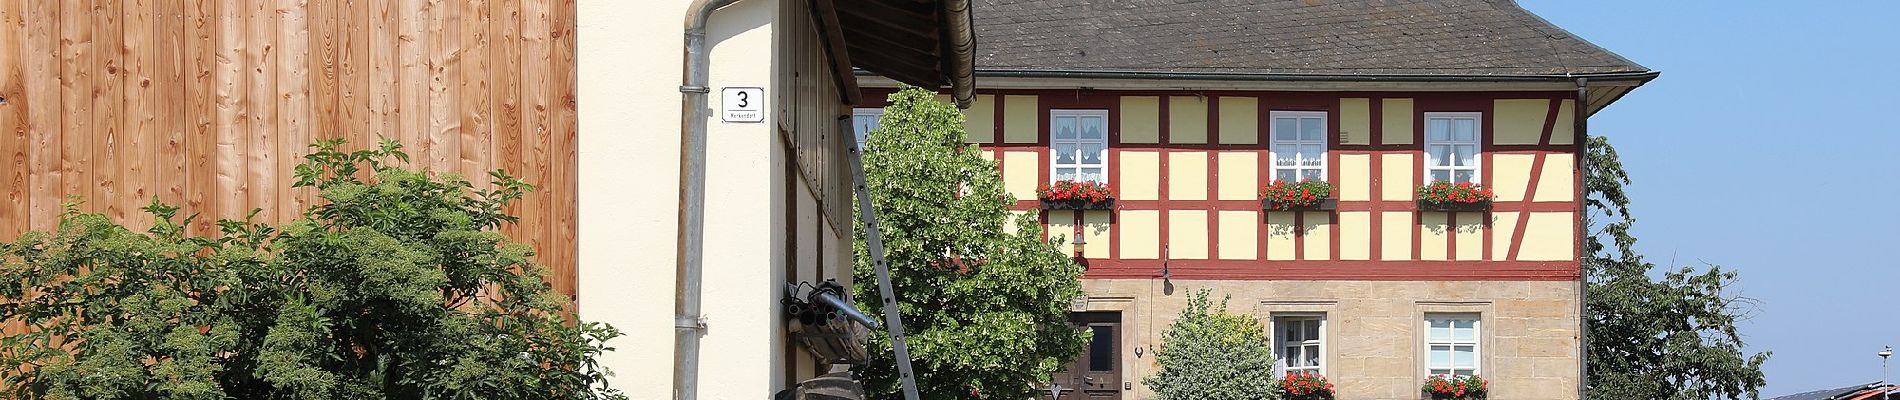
point(1307, 37)
point(1828, 394)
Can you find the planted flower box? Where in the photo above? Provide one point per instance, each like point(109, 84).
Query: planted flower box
point(1446, 387)
point(1108, 204)
point(1075, 195)
point(1305, 195)
point(1461, 196)
point(1321, 205)
point(1453, 206)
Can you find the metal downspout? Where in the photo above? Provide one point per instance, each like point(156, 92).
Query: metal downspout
point(688, 273)
point(1582, 128)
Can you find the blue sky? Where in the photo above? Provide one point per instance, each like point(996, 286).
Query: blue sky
point(1795, 99)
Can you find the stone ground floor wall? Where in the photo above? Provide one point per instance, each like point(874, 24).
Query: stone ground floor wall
point(1375, 330)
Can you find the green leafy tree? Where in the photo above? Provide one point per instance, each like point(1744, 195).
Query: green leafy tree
point(1670, 338)
point(395, 287)
point(1211, 354)
point(986, 309)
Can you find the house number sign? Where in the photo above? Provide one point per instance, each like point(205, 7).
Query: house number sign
point(743, 104)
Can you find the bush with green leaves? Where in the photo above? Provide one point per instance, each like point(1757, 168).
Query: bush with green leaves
point(1211, 354)
point(986, 308)
point(396, 286)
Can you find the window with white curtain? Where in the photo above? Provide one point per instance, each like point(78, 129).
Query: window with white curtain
point(1451, 147)
point(1299, 145)
point(1451, 344)
point(863, 121)
point(1301, 343)
point(1078, 145)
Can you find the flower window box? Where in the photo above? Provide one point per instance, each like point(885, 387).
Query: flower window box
point(1453, 197)
point(1305, 195)
point(1454, 387)
point(1076, 195)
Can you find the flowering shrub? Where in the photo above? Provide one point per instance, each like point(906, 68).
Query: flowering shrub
point(1447, 387)
point(1090, 191)
point(1304, 193)
point(1306, 386)
point(1461, 192)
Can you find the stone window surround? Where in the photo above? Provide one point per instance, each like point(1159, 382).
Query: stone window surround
point(1268, 309)
point(1482, 309)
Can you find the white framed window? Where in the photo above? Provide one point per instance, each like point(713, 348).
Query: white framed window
point(1299, 145)
point(863, 121)
point(1451, 147)
point(1301, 343)
point(1452, 344)
point(1078, 145)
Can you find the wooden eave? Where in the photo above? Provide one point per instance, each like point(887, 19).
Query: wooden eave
point(924, 43)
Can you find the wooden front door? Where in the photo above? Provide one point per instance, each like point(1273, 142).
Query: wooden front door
point(1096, 374)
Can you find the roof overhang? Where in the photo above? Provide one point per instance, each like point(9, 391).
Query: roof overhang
point(924, 43)
point(1603, 89)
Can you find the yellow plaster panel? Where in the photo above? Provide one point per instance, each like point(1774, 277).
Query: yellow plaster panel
point(979, 121)
point(1355, 236)
point(1021, 171)
point(1187, 176)
point(1435, 236)
point(1565, 131)
point(1395, 177)
point(1187, 119)
point(1141, 119)
point(1239, 235)
point(1239, 120)
point(989, 154)
point(1501, 234)
point(1140, 176)
point(1280, 236)
point(1318, 227)
point(1395, 236)
point(1239, 175)
point(1355, 121)
point(1009, 226)
point(1557, 182)
point(1355, 177)
point(1510, 173)
point(1187, 234)
point(1470, 231)
point(1062, 225)
point(1518, 121)
point(1020, 119)
point(1548, 237)
point(1095, 225)
point(1395, 121)
point(1140, 235)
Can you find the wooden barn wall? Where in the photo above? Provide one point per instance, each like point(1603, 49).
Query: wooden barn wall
point(209, 104)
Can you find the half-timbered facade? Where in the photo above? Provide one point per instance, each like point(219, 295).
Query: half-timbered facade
point(1187, 109)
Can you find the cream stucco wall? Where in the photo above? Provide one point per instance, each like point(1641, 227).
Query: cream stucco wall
point(1373, 335)
point(629, 164)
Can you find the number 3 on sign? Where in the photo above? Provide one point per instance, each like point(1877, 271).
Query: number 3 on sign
point(743, 104)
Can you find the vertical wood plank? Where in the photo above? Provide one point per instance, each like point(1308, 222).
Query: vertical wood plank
point(293, 104)
point(261, 183)
point(476, 124)
point(201, 108)
point(14, 200)
point(384, 96)
point(233, 114)
point(412, 112)
point(171, 97)
point(326, 86)
point(562, 189)
point(536, 94)
point(445, 71)
point(352, 24)
point(107, 95)
point(75, 94)
point(140, 121)
point(504, 56)
point(43, 94)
